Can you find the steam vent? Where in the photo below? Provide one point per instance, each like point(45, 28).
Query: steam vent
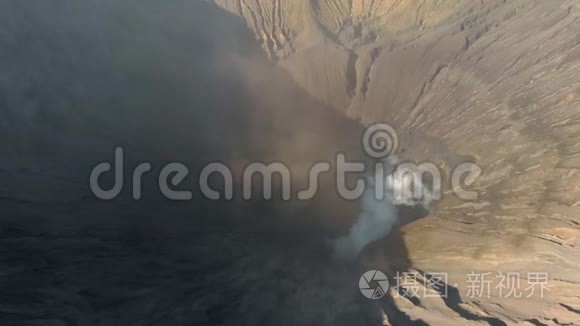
point(118, 118)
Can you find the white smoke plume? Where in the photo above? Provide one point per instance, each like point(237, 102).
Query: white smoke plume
point(379, 211)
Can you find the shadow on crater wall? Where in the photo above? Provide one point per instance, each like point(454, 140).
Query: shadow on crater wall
point(181, 82)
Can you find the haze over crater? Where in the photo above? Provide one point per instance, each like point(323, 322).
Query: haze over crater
point(495, 83)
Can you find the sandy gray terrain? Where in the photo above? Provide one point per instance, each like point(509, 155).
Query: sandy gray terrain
point(495, 81)
point(490, 82)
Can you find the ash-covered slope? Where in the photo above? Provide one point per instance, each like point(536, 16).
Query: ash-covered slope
point(169, 82)
point(495, 82)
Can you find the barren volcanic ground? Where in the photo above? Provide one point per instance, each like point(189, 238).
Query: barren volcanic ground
point(496, 83)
